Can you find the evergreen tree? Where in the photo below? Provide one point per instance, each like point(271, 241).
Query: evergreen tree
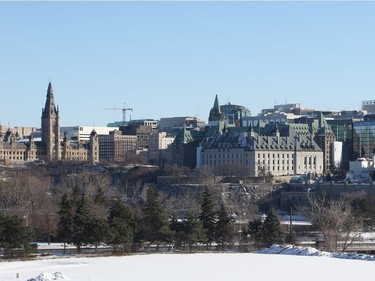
point(207, 216)
point(155, 223)
point(123, 225)
point(255, 231)
point(99, 231)
point(82, 221)
point(188, 232)
point(178, 232)
point(79, 223)
point(13, 234)
point(65, 224)
point(194, 231)
point(100, 197)
point(224, 230)
point(271, 231)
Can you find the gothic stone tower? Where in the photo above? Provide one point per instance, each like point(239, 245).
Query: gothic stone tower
point(93, 153)
point(51, 127)
point(216, 117)
point(215, 112)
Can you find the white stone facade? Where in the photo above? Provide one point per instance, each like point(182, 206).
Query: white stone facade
point(276, 155)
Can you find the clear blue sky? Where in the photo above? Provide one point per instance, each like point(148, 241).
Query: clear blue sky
point(168, 59)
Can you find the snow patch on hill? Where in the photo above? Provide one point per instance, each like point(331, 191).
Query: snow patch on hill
point(310, 251)
point(45, 276)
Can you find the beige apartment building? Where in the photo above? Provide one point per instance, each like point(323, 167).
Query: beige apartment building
point(115, 146)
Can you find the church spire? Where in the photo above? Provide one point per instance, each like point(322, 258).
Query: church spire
point(216, 107)
point(51, 127)
point(215, 112)
point(49, 108)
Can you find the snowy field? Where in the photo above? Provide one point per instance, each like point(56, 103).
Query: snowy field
point(292, 264)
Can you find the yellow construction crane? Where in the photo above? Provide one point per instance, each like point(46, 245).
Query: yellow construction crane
point(123, 109)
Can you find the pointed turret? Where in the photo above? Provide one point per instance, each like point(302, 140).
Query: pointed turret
point(51, 127)
point(216, 108)
point(215, 112)
point(49, 108)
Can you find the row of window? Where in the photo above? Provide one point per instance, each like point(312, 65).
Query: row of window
point(224, 156)
point(269, 168)
point(69, 153)
point(14, 157)
point(18, 153)
point(268, 155)
point(219, 162)
point(275, 162)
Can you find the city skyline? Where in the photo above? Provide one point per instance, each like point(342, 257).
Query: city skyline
point(166, 59)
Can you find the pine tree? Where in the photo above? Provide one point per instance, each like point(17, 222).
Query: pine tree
point(155, 223)
point(188, 232)
point(123, 225)
point(65, 224)
point(271, 230)
point(99, 231)
point(178, 232)
point(255, 229)
point(224, 230)
point(82, 221)
point(207, 216)
point(13, 234)
point(194, 231)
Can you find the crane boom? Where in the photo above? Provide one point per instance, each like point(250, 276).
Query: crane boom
point(123, 109)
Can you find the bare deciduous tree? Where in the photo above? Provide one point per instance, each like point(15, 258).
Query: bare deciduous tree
point(335, 219)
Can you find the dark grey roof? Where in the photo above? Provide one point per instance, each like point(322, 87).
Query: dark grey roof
point(258, 142)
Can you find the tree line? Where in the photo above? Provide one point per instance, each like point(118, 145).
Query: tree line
point(110, 221)
point(85, 208)
point(126, 227)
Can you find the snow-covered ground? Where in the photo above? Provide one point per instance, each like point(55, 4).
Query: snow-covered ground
point(282, 263)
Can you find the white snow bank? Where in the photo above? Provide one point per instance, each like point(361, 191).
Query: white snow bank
point(188, 267)
point(310, 251)
point(291, 250)
point(45, 276)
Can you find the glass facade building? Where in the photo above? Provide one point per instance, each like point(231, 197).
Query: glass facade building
point(363, 139)
point(235, 113)
point(343, 130)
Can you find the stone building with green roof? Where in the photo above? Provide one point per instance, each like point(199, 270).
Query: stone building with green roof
point(289, 150)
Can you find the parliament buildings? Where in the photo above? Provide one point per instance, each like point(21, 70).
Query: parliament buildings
point(51, 147)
